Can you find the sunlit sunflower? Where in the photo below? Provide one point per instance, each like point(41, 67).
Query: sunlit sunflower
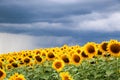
point(39, 59)
point(2, 74)
point(84, 55)
point(50, 55)
point(65, 58)
point(78, 50)
point(37, 51)
point(17, 76)
point(103, 47)
point(9, 66)
point(99, 52)
point(76, 59)
point(15, 65)
point(58, 65)
point(10, 60)
point(90, 49)
point(26, 60)
point(43, 53)
point(65, 76)
point(114, 48)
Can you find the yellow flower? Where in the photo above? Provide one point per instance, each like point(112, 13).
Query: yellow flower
point(2, 74)
point(114, 48)
point(65, 76)
point(17, 76)
point(15, 65)
point(9, 66)
point(90, 49)
point(76, 59)
point(58, 65)
point(39, 59)
point(50, 55)
point(26, 60)
point(65, 58)
point(103, 47)
point(84, 55)
point(78, 50)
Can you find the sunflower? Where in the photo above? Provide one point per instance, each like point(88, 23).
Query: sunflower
point(114, 48)
point(26, 60)
point(17, 76)
point(15, 65)
point(58, 65)
point(9, 66)
point(2, 74)
point(65, 76)
point(37, 52)
point(99, 52)
point(76, 59)
point(50, 55)
point(10, 60)
point(90, 49)
point(39, 59)
point(65, 58)
point(84, 55)
point(103, 47)
point(78, 50)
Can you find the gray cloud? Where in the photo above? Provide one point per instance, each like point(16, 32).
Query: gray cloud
point(53, 23)
point(24, 11)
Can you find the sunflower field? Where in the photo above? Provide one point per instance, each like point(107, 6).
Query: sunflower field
point(92, 61)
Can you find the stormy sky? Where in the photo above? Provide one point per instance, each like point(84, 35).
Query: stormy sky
point(32, 24)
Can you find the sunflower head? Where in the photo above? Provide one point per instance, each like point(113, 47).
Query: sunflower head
point(90, 49)
point(114, 48)
point(65, 76)
point(103, 46)
point(39, 59)
point(15, 65)
point(2, 74)
point(17, 76)
point(76, 59)
point(84, 55)
point(65, 58)
point(50, 55)
point(26, 60)
point(78, 50)
point(58, 65)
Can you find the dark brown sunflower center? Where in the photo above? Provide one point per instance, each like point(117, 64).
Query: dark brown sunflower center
point(26, 60)
point(1, 73)
point(19, 78)
point(91, 49)
point(104, 46)
point(66, 78)
point(51, 55)
point(38, 58)
point(10, 61)
point(14, 64)
point(38, 52)
point(78, 51)
point(99, 52)
point(65, 59)
point(84, 55)
point(58, 65)
point(115, 48)
point(76, 58)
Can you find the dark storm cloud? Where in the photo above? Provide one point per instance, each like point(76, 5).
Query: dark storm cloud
point(24, 11)
point(57, 22)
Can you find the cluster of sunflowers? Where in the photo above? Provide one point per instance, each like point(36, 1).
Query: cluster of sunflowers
point(63, 63)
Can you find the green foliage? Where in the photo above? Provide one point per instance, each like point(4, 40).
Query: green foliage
point(107, 68)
